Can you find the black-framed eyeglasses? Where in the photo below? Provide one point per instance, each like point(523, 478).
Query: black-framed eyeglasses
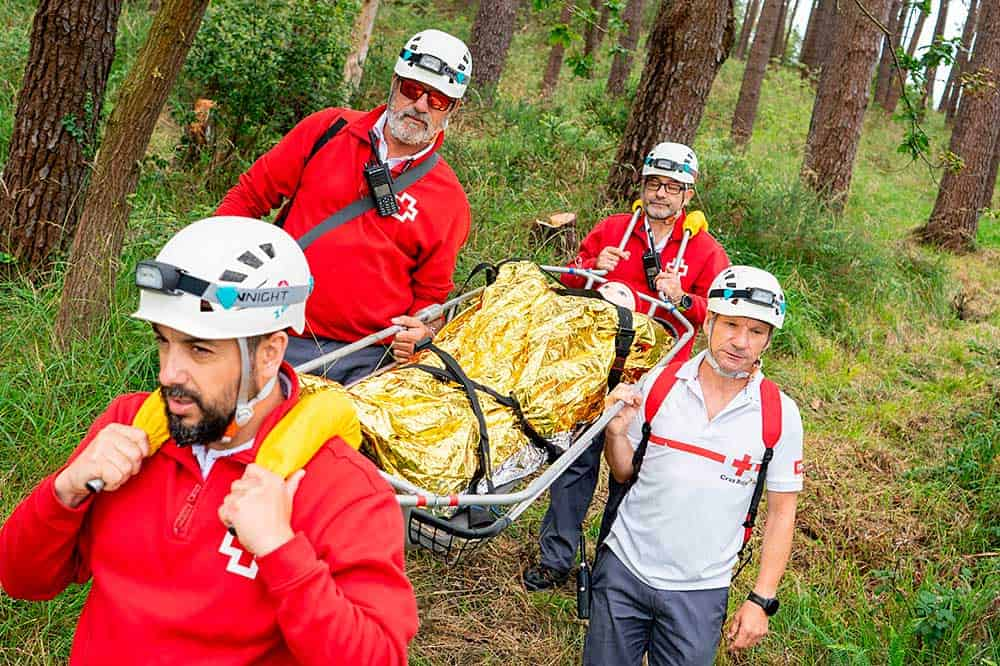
point(670, 186)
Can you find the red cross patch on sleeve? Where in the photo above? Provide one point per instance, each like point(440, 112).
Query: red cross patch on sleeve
point(798, 467)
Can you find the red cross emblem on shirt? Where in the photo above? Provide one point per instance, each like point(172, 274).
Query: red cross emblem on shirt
point(743, 464)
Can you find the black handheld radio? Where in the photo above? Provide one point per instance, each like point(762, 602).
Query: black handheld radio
point(379, 179)
point(651, 260)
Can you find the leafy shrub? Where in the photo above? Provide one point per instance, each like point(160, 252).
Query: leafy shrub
point(269, 63)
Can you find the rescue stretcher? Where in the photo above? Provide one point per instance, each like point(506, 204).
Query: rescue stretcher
point(452, 522)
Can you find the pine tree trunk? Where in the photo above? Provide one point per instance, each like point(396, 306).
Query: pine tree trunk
point(621, 66)
point(97, 244)
point(815, 52)
point(897, 16)
point(892, 97)
point(931, 72)
point(990, 182)
point(841, 100)
point(552, 69)
point(590, 36)
point(364, 24)
point(749, 19)
point(779, 32)
point(788, 32)
point(689, 41)
point(955, 218)
point(810, 35)
point(949, 101)
point(492, 32)
point(55, 127)
point(753, 74)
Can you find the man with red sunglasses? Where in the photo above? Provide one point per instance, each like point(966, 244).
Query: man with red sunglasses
point(384, 265)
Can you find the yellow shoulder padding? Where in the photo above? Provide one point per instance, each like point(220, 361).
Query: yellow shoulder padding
point(319, 415)
point(152, 419)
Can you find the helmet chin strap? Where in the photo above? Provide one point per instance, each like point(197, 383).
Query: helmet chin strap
point(244, 406)
point(735, 374)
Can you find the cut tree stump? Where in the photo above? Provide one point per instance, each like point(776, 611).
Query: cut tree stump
point(559, 232)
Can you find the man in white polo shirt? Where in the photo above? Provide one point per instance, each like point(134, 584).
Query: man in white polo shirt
point(661, 581)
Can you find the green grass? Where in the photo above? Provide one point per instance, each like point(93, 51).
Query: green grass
point(895, 560)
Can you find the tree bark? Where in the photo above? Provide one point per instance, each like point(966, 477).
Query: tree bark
point(749, 19)
point(779, 32)
point(841, 100)
point(892, 97)
point(810, 35)
point(621, 66)
point(364, 24)
point(97, 244)
point(55, 127)
point(931, 72)
point(753, 74)
point(886, 66)
point(593, 33)
point(990, 182)
point(689, 41)
point(492, 32)
point(949, 101)
point(788, 31)
point(552, 69)
point(818, 48)
point(955, 218)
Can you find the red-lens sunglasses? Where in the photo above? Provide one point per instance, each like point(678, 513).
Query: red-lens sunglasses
point(414, 90)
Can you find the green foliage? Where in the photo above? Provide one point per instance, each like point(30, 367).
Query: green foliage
point(77, 127)
point(269, 63)
point(581, 65)
point(826, 269)
point(561, 34)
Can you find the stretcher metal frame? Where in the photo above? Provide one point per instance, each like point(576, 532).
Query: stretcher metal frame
point(443, 536)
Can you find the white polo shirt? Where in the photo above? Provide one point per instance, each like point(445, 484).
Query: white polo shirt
point(680, 526)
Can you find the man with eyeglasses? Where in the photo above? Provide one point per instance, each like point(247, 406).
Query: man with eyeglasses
point(648, 264)
point(379, 214)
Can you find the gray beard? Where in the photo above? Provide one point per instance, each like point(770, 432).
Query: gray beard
point(411, 137)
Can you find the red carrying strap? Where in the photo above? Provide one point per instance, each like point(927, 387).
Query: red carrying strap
point(770, 403)
point(661, 388)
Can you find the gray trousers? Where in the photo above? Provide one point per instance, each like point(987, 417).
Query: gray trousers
point(350, 368)
point(569, 498)
point(629, 619)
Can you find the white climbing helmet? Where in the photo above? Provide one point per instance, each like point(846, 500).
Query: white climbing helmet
point(746, 291)
point(438, 59)
point(226, 277)
point(674, 160)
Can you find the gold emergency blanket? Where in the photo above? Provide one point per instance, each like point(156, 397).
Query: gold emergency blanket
point(551, 352)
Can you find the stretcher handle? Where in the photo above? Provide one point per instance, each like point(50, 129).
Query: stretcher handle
point(427, 314)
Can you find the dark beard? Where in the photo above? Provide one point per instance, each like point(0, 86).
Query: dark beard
point(210, 428)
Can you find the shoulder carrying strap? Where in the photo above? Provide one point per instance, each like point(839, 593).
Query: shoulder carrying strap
point(770, 405)
point(661, 388)
point(365, 203)
point(323, 139)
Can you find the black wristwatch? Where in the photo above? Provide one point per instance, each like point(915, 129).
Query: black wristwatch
point(770, 606)
point(684, 302)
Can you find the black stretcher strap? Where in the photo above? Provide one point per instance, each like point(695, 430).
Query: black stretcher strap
point(485, 469)
point(330, 132)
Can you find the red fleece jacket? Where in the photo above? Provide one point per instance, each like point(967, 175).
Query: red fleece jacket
point(704, 258)
point(171, 587)
point(371, 268)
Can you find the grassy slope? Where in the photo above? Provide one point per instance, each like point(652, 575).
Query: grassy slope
point(895, 558)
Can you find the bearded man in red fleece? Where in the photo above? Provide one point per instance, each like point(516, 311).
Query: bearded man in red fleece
point(386, 264)
point(310, 569)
